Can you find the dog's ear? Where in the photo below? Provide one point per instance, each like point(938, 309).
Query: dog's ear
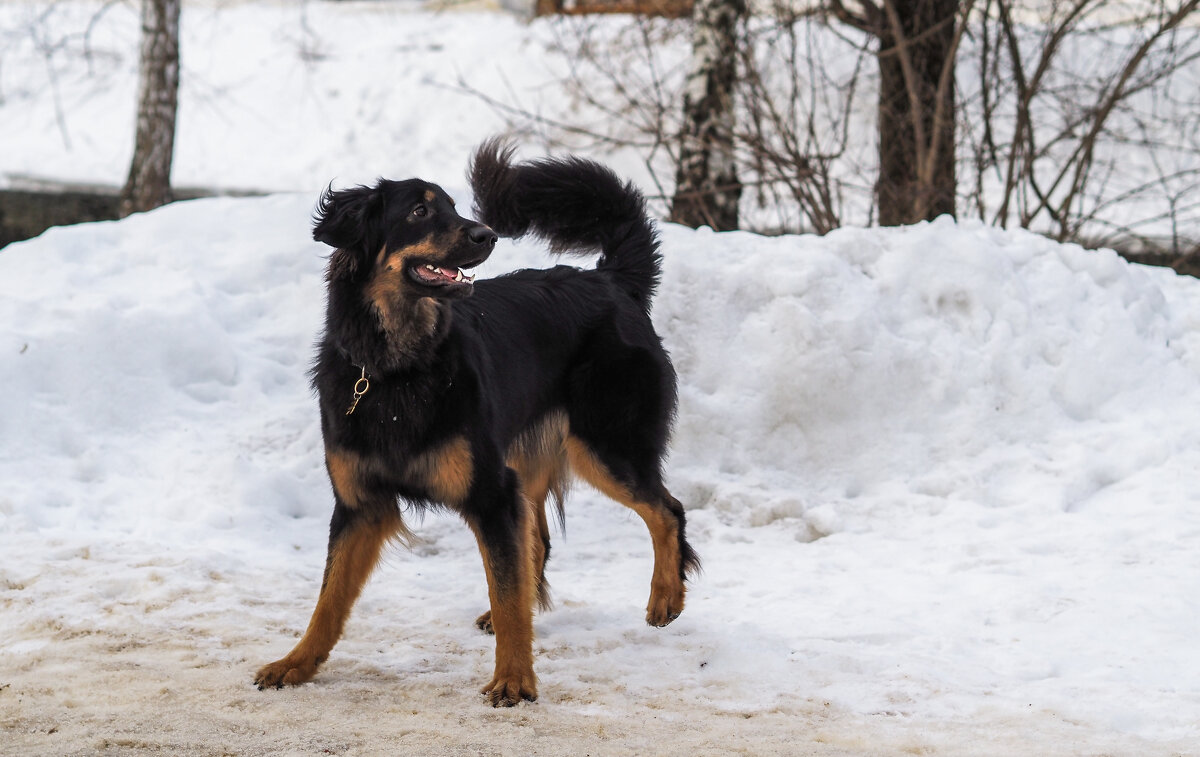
point(346, 219)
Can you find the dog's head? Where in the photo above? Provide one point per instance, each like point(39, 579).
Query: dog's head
point(401, 239)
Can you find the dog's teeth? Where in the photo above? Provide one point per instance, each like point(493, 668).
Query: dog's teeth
point(458, 275)
point(431, 266)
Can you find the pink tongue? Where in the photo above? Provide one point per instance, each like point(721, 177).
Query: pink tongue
point(442, 273)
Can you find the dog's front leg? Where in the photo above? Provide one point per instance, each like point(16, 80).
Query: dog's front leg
point(503, 529)
point(356, 539)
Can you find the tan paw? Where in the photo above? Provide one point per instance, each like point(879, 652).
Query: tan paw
point(484, 623)
point(664, 605)
point(510, 690)
point(285, 672)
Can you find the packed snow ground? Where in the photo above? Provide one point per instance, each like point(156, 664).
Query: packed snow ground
point(944, 480)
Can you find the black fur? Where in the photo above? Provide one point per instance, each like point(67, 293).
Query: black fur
point(561, 356)
point(577, 206)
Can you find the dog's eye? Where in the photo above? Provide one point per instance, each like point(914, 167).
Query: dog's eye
point(420, 211)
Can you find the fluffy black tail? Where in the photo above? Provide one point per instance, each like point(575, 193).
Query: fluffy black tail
point(576, 205)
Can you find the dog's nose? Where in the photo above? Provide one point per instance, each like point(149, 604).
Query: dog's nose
point(482, 235)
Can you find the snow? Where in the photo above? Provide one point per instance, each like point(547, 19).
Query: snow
point(272, 96)
point(942, 478)
point(287, 96)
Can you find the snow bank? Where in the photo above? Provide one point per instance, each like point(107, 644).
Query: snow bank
point(943, 479)
point(946, 363)
point(165, 348)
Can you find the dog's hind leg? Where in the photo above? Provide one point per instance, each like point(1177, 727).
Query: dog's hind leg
point(356, 540)
point(540, 463)
point(505, 530)
point(535, 488)
point(637, 485)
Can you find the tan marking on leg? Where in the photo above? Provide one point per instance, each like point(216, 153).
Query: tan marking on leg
point(541, 540)
point(349, 563)
point(534, 494)
point(446, 472)
point(539, 534)
point(539, 458)
point(543, 439)
point(512, 622)
point(667, 589)
point(346, 473)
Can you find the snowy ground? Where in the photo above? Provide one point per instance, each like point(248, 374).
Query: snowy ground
point(944, 481)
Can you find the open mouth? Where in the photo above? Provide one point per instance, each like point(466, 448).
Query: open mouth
point(428, 273)
point(443, 275)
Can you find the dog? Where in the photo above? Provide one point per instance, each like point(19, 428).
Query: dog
point(486, 398)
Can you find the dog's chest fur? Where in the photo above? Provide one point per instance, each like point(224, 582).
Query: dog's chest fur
point(400, 414)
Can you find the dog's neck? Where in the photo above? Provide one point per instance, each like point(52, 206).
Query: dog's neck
point(385, 338)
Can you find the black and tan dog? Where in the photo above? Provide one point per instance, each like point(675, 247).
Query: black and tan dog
point(485, 398)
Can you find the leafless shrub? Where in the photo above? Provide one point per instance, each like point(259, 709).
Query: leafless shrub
point(797, 111)
point(1077, 118)
point(623, 83)
point(1083, 121)
point(55, 36)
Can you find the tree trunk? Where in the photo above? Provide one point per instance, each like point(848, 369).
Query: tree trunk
point(917, 41)
point(149, 182)
point(707, 189)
